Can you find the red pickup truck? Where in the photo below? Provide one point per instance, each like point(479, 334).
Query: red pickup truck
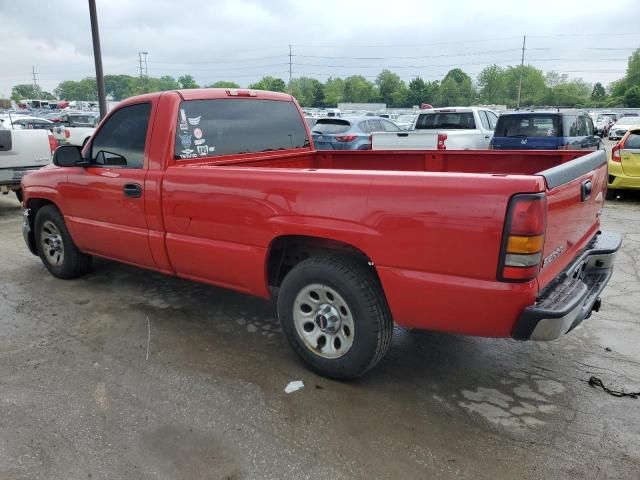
point(225, 187)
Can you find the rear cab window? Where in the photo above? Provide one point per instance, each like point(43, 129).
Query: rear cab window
point(445, 120)
point(524, 125)
point(208, 128)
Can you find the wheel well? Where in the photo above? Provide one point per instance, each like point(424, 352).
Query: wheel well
point(32, 207)
point(287, 251)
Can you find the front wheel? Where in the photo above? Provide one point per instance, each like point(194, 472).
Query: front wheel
point(335, 316)
point(55, 246)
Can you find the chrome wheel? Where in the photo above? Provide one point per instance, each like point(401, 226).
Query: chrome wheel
point(51, 242)
point(323, 320)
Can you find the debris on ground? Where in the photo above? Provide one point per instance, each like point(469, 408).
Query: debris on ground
point(294, 386)
point(596, 382)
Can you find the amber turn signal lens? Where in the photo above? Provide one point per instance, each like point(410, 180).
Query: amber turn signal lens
point(520, 244)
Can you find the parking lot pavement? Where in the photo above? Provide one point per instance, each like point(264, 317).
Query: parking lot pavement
point(80, 399)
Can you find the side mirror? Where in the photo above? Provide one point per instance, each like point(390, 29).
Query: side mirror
point(68, 156)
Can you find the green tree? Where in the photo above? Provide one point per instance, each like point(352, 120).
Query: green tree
point(166, 82)
point(27, 90)
point(456, 89)
point(303, 89)
point(633, 69)
point(491, 85)
point(119, 86)
point(534, 89)
point(85, 89)
point(358, 89)
point(431, 92)
point(416, 91)
point(632, 97)
point(187, 81)
point(574, 93)
point(553, 79)
point(223, 84)
point(391, 88)
point(318, 95)
point(333, 91)
point(269, 83)
point(598, 93)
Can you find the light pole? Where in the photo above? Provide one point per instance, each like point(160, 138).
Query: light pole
point(97, 56)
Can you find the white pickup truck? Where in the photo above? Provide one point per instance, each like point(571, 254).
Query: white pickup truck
point(75, 128)
point(454, 128)
point(21, 152)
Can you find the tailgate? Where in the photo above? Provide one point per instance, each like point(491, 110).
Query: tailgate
point(414, 140)
point(525, 143)
point(575, 197)
point(630, 159)
point(24, 148)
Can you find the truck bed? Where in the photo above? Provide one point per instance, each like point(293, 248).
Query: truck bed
point(458, 161)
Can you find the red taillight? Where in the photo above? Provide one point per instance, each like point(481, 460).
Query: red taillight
point(67, 133)
point(53, 143)
point(615, 153)
point(346, 138)
point(370, 142)
point(442, 141)
point(523, 238)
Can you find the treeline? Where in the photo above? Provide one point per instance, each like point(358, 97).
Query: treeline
point(494, 85)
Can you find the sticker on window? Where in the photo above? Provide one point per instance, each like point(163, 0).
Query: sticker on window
point(183, 120)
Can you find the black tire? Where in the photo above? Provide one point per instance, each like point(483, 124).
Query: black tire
point(611, 194)
point(73, 263)
point(19, 195)
point(371, 319)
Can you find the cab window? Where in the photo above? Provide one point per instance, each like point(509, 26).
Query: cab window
point(121, 140)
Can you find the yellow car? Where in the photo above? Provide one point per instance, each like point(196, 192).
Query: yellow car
point(624, 164)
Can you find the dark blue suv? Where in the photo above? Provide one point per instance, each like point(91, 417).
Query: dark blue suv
point(545, 130)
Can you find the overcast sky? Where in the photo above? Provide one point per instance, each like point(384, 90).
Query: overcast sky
point(243, 40)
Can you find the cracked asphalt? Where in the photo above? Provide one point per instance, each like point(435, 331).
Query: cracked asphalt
point(79, 398)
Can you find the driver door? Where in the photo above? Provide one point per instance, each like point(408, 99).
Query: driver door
point(107, 198)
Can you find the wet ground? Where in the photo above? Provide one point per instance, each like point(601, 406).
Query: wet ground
point(80, 399)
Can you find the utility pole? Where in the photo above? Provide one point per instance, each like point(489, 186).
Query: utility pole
point(290, 84)
point(140, 65)
point(146, 71)
point(524, 42)
point(97, 55)
point(35, 82)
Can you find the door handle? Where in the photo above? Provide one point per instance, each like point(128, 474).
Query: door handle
point(586, 190)
point(132, 190)
point(487, 137)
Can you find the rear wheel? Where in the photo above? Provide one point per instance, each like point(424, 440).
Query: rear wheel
point(335, 316)
point(56, 248)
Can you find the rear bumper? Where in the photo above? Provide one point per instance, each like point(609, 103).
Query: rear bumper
point(11, 177)
point(571, 297)
point(619, 180)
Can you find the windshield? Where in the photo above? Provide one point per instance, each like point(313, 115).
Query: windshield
point(329, 126)
point(628, 121)
point(523, 125)
point(82, 119)
point(449, 120)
